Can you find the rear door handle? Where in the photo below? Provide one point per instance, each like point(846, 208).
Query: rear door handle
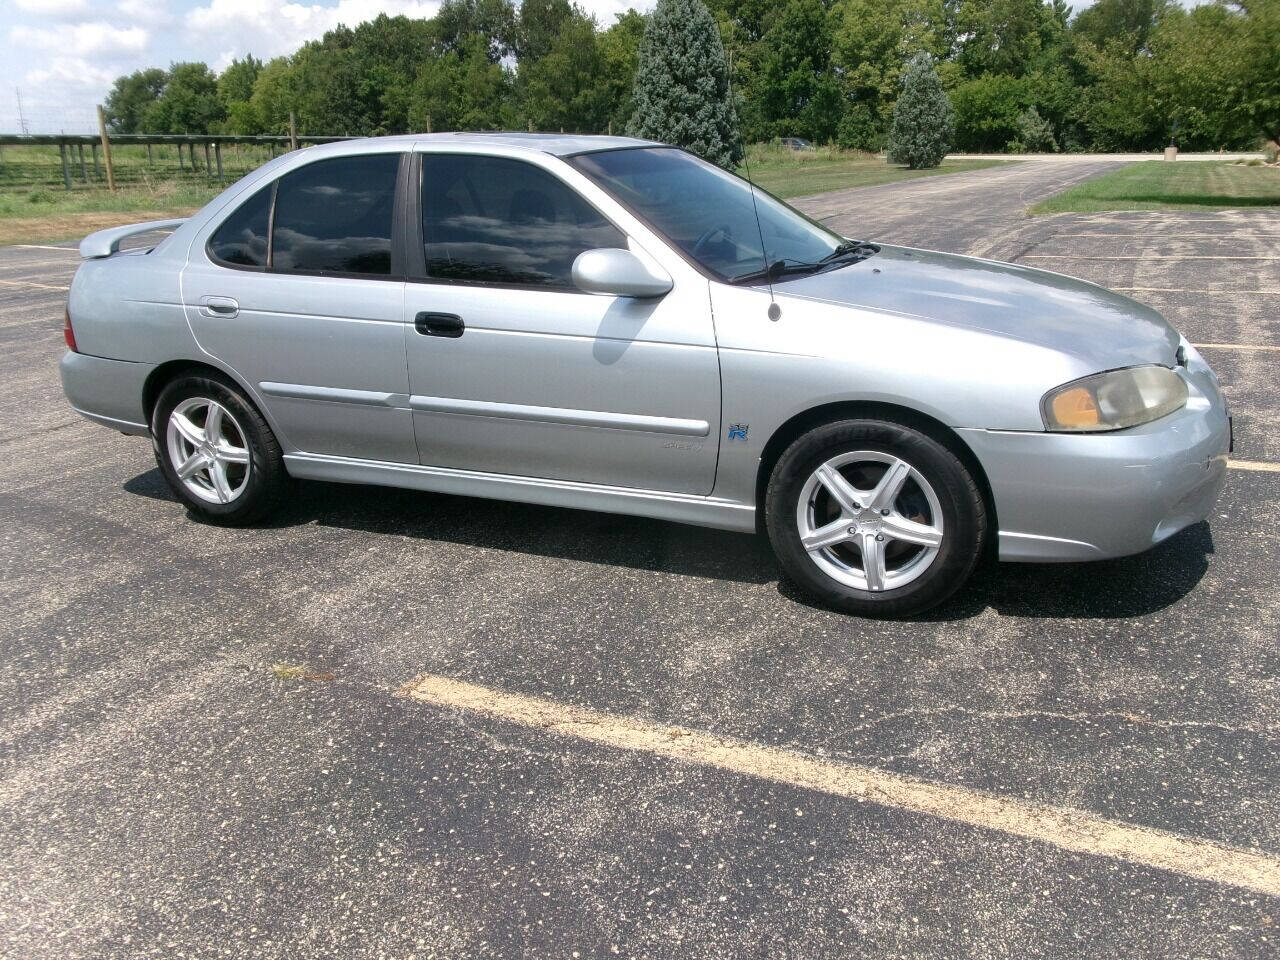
point(439, 324)
point(219, 306)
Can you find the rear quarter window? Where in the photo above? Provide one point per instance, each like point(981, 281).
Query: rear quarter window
point(241, 241)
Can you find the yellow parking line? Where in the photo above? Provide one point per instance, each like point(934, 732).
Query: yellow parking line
point(1258, 465)
point(1072, 256)
point(1063, 827)
point(1190, 290)
point(1182, 236)
point(28, 283)
point(1235, 346)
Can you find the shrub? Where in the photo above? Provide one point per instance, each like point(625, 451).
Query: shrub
point(859, 129)
point(988, 109)
point(922, 118)
point(1035, 135)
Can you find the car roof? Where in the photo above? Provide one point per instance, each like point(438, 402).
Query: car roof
point(558, 144)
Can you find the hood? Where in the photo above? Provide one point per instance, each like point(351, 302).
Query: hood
point(1104, 329)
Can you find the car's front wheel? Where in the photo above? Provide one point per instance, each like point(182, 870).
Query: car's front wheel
point(216, 451)
point(874, 517)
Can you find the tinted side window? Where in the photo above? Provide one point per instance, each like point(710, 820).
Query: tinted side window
point(242, 238)
point(334, 216)
point(494, 220)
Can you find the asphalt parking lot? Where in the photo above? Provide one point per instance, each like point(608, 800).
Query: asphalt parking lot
point(529, 732)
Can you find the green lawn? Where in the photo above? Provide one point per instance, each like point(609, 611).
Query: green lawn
point(1160, 185)
point(787, 173)
point(36, 206)
point(48, 215)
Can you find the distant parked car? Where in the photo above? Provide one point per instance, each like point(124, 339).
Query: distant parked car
point(610, 324)
point(796, 143)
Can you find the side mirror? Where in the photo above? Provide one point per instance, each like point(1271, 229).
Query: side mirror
point(618, 273)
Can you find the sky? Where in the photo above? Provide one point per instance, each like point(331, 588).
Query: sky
point(61, 56)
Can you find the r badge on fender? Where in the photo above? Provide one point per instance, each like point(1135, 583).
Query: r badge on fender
point(738, 431)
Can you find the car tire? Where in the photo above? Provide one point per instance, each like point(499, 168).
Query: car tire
point(234, 477)
point(885, 488)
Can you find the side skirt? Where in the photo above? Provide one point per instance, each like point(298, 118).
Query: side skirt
point(681, 508)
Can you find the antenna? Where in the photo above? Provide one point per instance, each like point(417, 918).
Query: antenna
point(774, 310)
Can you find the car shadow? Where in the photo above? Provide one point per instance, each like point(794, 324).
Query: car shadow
point(1109, 589)
point(1123, 588)
point(603, 538)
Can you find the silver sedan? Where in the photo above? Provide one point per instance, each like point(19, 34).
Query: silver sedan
point(615, 325)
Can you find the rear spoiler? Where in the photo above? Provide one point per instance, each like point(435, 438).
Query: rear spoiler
point(106, 242)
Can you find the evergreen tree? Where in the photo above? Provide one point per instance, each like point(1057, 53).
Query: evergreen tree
point(682, 84)
point(922, 120)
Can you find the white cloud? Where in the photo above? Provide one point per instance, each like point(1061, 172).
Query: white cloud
point(53, 9)
point(269, 28)
point(144, 11)
point(82, 39)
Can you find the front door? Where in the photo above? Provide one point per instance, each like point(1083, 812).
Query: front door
point(514, 371)
point(299, 292)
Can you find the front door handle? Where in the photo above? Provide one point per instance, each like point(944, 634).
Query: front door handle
point(439, 324)
point(220, 306)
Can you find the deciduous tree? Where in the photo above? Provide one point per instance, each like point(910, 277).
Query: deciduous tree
point(131, 97)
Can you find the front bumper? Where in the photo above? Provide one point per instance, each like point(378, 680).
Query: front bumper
point(1088, 497)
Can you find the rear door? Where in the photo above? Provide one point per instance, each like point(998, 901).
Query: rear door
point(301, 292)
point(513, 370)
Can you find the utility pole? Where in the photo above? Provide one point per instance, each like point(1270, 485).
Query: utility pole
point(22, 117)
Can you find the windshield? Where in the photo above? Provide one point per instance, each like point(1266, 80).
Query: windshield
point(708, 213)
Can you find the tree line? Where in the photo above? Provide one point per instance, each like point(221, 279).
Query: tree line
point(1019, 74)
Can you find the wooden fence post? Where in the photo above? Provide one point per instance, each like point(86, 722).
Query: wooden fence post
point(293, 131)
point(217, 152)
point(106, 148)
point(208, 167)
point(181, 166)
point(97, 170)
point(148, 156)
point(66, 171)
point(84, 169)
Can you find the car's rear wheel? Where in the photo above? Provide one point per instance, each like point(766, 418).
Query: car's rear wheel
point(215, 450)
point(874, 517)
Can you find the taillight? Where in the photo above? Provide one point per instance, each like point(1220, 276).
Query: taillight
point(68, 334)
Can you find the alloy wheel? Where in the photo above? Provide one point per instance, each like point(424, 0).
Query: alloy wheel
point(208, 450)
point(869, 520)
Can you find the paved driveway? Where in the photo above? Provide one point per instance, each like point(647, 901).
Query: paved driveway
point(526, 732)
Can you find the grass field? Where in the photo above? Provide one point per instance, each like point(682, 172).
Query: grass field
point(51, 216)
point(1159, 185)
point(36, 207)
point(788, 173)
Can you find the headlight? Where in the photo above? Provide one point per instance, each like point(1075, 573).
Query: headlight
point(1114, 400)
